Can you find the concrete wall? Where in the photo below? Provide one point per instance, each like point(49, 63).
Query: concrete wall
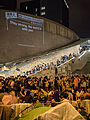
point(16, 43)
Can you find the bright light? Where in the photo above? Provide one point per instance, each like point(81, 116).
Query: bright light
point(26, 7)
point(66, 3)
point(42, 13)
point(36, 9)
point(43, 8)
point(88, 41)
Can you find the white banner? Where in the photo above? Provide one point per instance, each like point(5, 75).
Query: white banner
point(10, 15)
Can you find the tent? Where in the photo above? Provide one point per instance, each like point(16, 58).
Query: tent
point(64, 111)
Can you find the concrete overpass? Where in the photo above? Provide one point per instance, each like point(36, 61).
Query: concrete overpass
point(23, 35)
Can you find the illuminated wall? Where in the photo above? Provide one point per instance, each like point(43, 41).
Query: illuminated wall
point(23, 35)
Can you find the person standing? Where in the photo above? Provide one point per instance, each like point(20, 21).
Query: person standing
point(75, 83)
point(56, 70)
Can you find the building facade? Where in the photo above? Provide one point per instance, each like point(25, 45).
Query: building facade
point(56, 10)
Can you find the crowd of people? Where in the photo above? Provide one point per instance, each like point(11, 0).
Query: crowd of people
point(50, 65)
point(31, 89)
point(83, 48)
point(28, 89)
point(50, 60)
point(32, 69)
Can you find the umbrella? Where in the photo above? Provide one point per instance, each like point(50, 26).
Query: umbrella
point(9, 99)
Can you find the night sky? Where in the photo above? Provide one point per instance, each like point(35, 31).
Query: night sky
point(79, 15)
